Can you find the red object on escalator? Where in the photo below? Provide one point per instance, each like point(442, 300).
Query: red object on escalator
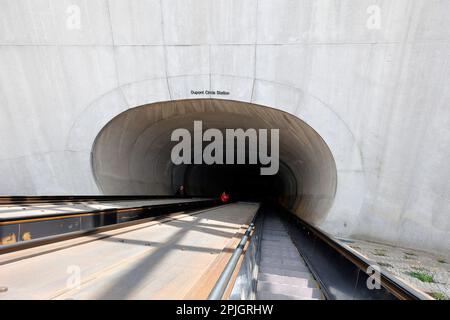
point(224, 197)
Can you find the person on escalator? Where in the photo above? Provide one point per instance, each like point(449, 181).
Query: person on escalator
point(180, 192)
point(224, 197)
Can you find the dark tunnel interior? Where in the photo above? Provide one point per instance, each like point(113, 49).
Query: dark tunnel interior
point(132, 155)
point(240, 181)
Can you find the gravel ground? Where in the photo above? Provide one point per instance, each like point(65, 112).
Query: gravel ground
point(428, 272)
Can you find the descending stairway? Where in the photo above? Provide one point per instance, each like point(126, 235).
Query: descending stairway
point(283, 274)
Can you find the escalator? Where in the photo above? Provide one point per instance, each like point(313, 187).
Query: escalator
point(282, 257)
point(283, 274)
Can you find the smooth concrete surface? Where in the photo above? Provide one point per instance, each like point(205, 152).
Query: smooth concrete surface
point(377, 96)
point(146, 261)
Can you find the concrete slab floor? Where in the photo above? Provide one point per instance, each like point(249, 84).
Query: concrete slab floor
point(429, 272)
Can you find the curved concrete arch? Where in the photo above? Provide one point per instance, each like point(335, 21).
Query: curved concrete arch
point(336, 134)
point(132, 153)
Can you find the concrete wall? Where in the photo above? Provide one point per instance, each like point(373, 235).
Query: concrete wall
point(379, 97)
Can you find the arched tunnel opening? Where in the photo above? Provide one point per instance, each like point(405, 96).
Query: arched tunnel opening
point(132, 154)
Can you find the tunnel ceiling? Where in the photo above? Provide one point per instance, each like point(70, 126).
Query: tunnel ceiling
point(131, 154)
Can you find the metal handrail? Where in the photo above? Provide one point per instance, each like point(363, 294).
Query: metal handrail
point(224, 279)
point(20, 200)
point(398, 288)
point(65, 215)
